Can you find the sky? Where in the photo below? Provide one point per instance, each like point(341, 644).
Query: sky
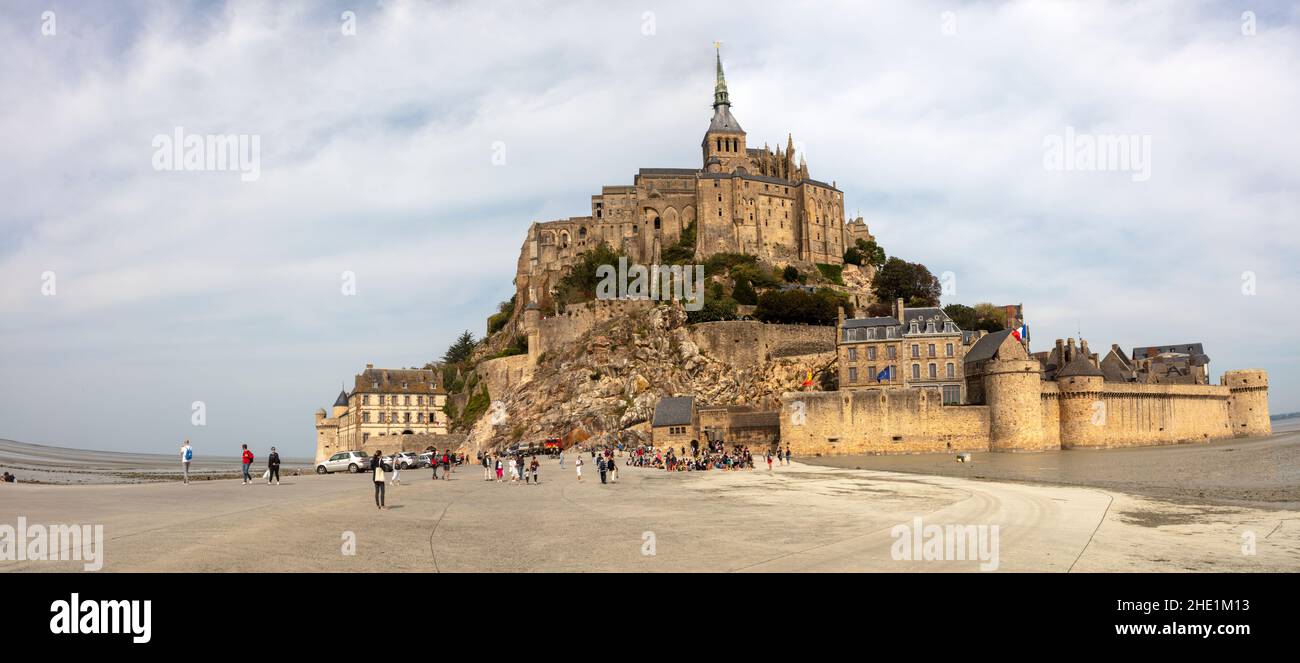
point(411, 144)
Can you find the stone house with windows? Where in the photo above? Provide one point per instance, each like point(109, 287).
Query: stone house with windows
point(675, 422)
point(919, 347)
point(383, 403)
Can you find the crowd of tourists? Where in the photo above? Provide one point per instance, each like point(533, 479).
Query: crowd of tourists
point(713, 455)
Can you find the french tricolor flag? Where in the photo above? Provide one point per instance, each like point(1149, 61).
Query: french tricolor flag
point(1021, 333)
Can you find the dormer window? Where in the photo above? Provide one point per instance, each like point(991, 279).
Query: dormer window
point(915, 328)
point(929, 327)
point(949, 327)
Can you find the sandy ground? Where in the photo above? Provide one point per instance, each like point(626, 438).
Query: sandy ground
point(35, 463)
point(796, 518)
point(1259, 472)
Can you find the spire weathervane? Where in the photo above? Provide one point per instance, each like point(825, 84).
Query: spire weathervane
point(720, 88)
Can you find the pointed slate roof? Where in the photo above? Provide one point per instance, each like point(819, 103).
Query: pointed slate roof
point(723, 121)
point(342, 400)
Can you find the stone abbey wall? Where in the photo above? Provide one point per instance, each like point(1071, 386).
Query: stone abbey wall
point(575, 320)
point(1025, 413)
point(503, 373)
point(746, 343)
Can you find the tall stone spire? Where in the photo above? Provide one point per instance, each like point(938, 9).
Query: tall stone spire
point(720, 88)
point(723, 122)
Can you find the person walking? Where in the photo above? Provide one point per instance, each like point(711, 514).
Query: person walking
point(613, 469)
point(273, 466)
point(769, 460)
point(247, 457)
point(487, 473)
point(446, 464)
point(787, 455)
point(514, 473)
point(397, 469)
point(578, 466)
point(534, 467)
point(561, 459)
point(187, 455)
point(500, 469)
point(602, 467)
point(377, 473)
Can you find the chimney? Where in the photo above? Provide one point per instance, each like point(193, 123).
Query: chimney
point(368, 366)
point(840, 316)
point(898, 309)
point(1083, 348)
point(1069, 350)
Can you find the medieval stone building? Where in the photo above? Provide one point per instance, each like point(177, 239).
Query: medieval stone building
point(385, 405)
point(741, 199)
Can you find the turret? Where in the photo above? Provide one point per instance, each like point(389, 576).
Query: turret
point(533, 329)
point(725, 140)
point(1083, 408)
point(341, 404)
point(1248, 402)
point(1013, 393)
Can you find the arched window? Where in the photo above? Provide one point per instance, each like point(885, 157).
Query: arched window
point(656, 223)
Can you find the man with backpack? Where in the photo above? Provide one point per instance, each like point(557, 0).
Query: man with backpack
point(248, 462)
point(273, 467)
point(187, 455)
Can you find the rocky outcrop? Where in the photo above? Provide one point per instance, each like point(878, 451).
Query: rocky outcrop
point(606, 382)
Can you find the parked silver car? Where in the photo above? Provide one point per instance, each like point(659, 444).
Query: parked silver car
point(344, 461)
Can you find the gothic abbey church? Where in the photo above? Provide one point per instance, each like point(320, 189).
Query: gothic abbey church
point(742, 200)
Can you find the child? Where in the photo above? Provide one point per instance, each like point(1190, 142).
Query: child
point(534, 467)
point(579, 467)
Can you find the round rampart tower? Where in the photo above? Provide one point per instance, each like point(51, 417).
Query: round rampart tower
point(1083, 411)
point(1013, 392)
point(1248, 402)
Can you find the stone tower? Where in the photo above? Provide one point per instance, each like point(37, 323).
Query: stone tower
point(1013, 393)
point(533, 330)
point(341, 404)
point(1083, 410)
point(724, 143)
point(1248, 403)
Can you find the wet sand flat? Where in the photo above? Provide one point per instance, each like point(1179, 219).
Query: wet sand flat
point(1257, 472)
point(34, 463)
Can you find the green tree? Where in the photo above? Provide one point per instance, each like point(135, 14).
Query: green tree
point(744, 293)
point(962, 315)
point(910, 281)
point(796, 306)
point(682, 251)
point(714, 309)
point(853, 256)
point(499, 319)
point(790, 274)
point(460, 350)
point(871, 252)
point(579, 283)
point(983, 316)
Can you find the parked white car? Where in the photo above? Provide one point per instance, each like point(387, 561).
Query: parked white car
point(344, 461)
